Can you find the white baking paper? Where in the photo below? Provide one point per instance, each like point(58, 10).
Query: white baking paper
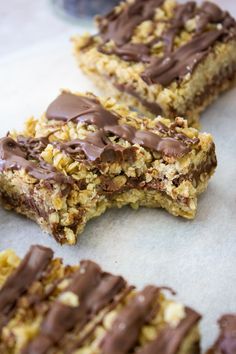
point(197, 258)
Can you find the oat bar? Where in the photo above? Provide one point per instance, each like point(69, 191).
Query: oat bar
point(50, 308)
point(85, 155)
point(226, 342)
point(162, 57)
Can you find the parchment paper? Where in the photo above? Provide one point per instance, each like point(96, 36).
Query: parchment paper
point(197, 258)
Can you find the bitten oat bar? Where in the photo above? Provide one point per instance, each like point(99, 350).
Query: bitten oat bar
point(86, 155)
point(226, 342)
point(162, 57)
point(49, 308)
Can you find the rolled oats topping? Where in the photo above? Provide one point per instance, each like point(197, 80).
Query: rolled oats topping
point(162, 57)
point(85, 155)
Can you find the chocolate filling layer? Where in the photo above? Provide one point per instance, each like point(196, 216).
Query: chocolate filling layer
point(25, 204)
point(228, 74)
point(206, 167)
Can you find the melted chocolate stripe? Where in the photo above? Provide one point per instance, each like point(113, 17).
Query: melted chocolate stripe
point(183, 13)
point(126, 328)
point(170, 339)
point(182, 61)
point(94, 289)
point(97, 147)
point(119, 27)
point(130, 52)
point(68, 106)
point(16, 155)
point(30, 269)
point(13, 156)
point(174, 64)
point(71, 347)
point(142, 52)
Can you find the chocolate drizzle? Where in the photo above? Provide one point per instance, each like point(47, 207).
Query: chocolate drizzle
point(69, 107)
point(30, 269)
point(130, 52)
point(170, 339)
point(94, 288)
point(72, 346)
point(126, 328)
point(34, 146)
point(175, 63)
point(64, 326)
point(182, 14)
point(120, 26)
point(89, 110)
point(226, 343)
point(14, 156)
point(97, 147)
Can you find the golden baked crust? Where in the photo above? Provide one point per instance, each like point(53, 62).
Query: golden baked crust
point(61, 184)
point(185, 95)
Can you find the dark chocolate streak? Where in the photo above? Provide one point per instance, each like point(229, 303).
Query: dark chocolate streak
point(126, 328)
point(83, 109)
point(170, 339)
point(130, 52)
point(25, 152)
point(226, 343)
point(14, 156)
point(97, 147)
point(182, 61)
point(174, 64)
point(30, 269)
point(94, 289)
point(72, 346)
point(119, 27)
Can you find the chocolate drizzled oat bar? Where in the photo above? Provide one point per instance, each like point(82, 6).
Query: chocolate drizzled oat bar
point(86, 155)
point(162, 57)
point(226, 342)
point(49, 308)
